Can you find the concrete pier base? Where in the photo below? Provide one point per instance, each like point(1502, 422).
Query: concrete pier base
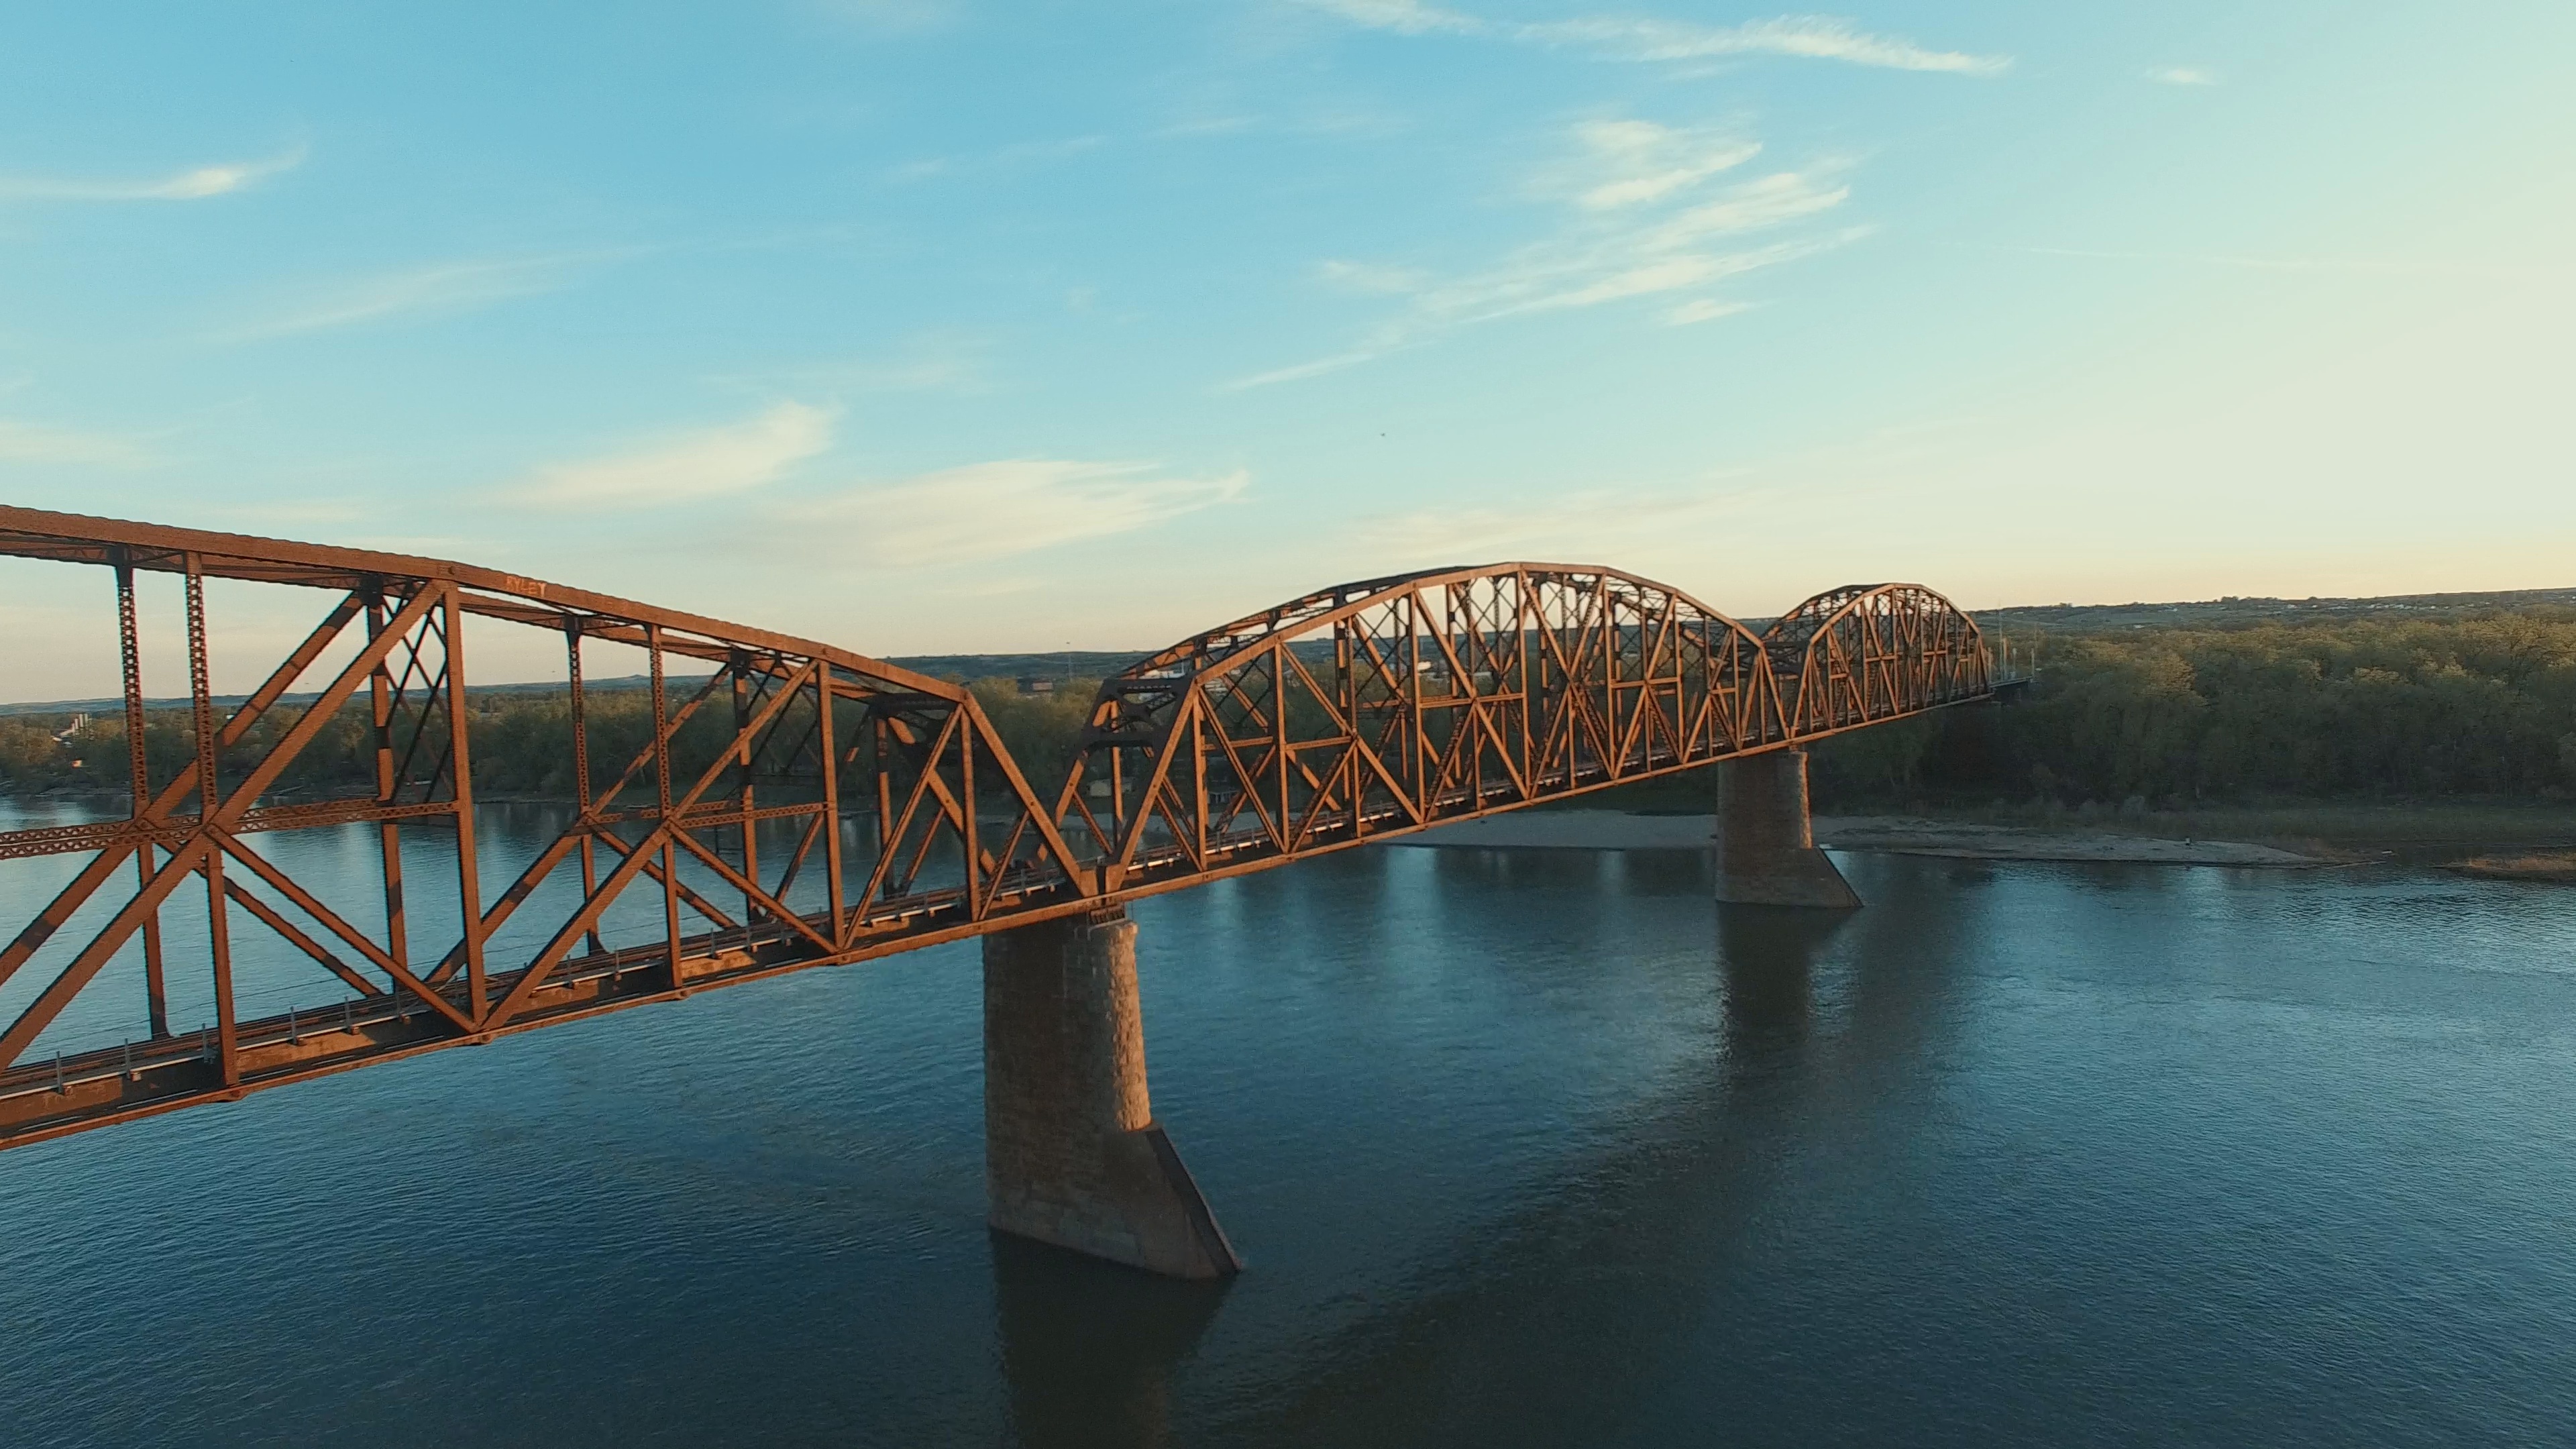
point(1766, 846)
point(1072, 1153)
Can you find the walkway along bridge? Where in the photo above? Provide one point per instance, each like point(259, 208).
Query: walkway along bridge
point(792, 805)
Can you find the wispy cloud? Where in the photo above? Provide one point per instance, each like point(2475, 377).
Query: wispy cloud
point(685, 467)
point(1807, 37)
point(1646, 222)
point(194, 184)
point(442, 287)
point(1702, 309)
point(36, 443)
point(1386, 340)
point(2183, 75)
point(1611, 37)
point(1629, 163)
point(988, 511)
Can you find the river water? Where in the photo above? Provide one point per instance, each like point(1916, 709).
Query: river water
point(1522, 1148)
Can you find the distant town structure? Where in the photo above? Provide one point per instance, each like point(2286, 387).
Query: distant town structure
point(1036, 684)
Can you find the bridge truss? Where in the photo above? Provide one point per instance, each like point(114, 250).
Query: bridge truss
point(756, 803)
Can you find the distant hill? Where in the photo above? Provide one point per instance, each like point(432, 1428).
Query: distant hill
point(2239, 613)
point(1062, 664)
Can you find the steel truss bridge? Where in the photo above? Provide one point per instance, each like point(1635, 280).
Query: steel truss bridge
point(781, 804)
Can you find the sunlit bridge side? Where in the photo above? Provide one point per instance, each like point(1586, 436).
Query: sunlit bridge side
point(1398, 703)
point(737, 803)
point(1868, 652)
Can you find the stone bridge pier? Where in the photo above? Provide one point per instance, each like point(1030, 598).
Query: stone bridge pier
point(1766, 844)
point(1072, 1153)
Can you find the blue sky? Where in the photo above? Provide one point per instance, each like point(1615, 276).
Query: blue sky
point(925, 325)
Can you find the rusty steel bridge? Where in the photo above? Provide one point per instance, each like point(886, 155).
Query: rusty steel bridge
point(791, 804)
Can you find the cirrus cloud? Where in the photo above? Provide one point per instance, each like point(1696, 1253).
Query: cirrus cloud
point(439, 288)
point(1646, 222)
point(685, 467)
point(195, 184)
point(987, 511)
point(1613, 37)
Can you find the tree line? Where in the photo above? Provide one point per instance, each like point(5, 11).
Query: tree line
point(2480, 706)
point(520, 742)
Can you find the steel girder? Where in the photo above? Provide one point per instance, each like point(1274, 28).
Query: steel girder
point(833, 808)
point(1867, 652)
point(1372, 709)
point(859, 758)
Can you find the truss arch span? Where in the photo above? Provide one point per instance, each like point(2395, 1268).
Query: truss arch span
point(1395, 703)
point(1863, 653)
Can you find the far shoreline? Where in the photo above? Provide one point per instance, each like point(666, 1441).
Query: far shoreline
point(2533, 843)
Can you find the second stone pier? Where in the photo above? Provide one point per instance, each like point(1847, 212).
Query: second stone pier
point(1766, 845)
point(1072, 1153)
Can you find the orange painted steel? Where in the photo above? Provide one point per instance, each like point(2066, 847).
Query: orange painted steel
point(833, 808)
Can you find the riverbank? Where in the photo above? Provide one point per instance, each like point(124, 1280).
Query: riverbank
point(2501, 840)
point(2558, 868)
point(1896, 835)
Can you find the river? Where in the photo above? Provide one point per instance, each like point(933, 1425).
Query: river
point(1522, 1147)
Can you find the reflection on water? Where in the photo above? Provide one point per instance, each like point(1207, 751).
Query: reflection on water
point(1089, 1349)
point(1523, 1148)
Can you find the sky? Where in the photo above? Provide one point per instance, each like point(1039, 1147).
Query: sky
point(943, 325)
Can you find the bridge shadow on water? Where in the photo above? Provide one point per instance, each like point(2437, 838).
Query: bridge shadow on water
point(1090, 1348)
point(1565, 1323)
point(1564, 1320)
